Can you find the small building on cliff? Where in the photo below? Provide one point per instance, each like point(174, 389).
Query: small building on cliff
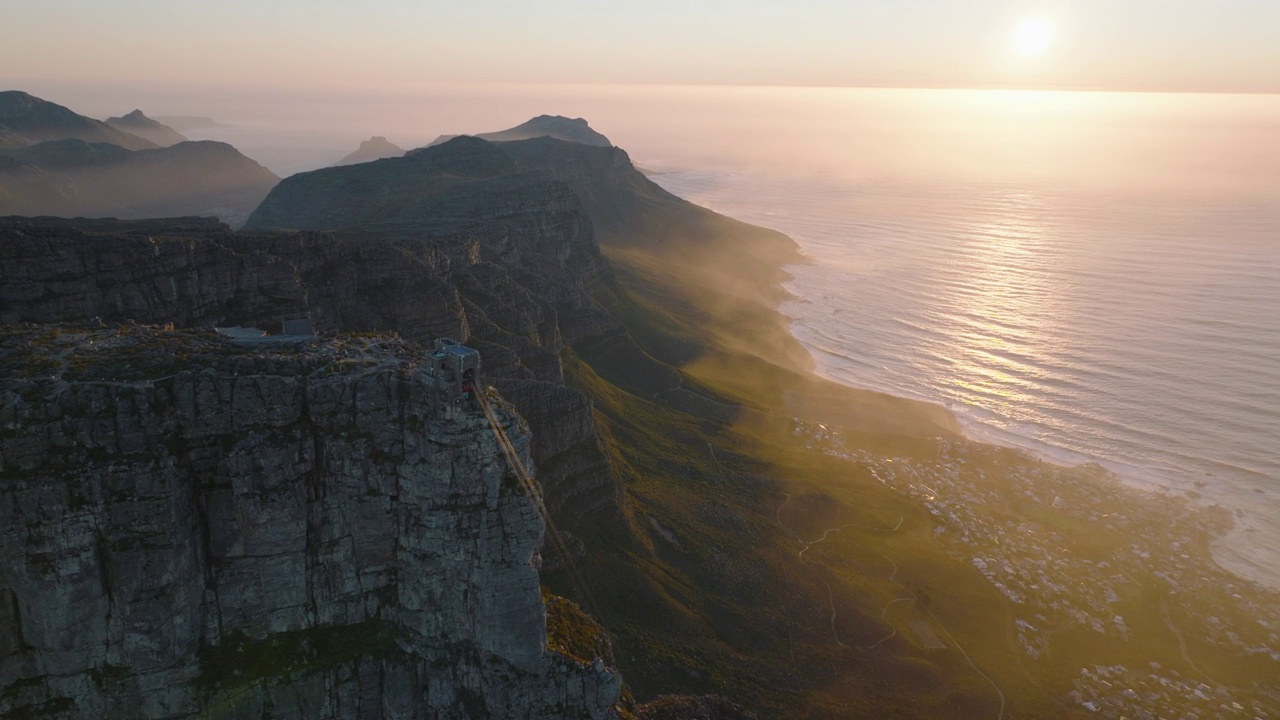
point(456, 370)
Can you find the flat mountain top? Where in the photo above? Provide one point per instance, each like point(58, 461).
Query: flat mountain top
point(26, 120)
point(144, 127)
point(575, 130)
point(375, 148)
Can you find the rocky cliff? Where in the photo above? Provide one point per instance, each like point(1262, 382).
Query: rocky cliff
point(425, 280)
point(192, 525)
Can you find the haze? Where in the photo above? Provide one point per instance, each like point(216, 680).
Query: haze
point(1171, 45)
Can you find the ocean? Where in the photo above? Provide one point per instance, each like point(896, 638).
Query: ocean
point(1086, 317)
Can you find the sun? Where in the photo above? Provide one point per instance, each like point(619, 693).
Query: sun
point(1032, 36)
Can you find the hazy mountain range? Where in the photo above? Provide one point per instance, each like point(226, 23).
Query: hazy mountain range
point(27, 120)
point(54, 161)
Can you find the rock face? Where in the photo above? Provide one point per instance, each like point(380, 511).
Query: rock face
point(443, 278)
point(136, 123)
point(559, 127)
point(170, 271)
point(27, 120)
point(375, 148)
point(71, 178)
point(196, 526)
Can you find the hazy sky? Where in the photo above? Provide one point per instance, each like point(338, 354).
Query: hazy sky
point(398, 45)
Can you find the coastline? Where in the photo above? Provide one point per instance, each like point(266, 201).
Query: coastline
point(1250, 550)
point(1230, 549)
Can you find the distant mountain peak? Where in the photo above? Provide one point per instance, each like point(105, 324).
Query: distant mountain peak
point(575, 130)
point(139, 124)
point(375, 148)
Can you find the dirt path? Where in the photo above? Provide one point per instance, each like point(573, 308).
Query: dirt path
point(999, 692)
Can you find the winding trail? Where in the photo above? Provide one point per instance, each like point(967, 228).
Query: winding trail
point(807, 545)
point(893, 579)
point(994, 686)
point(831, 598)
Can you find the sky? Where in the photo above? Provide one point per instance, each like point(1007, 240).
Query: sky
point(394, 46)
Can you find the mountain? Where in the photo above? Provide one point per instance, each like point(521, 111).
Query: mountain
point(139, 124)
point(574, 130)
point(75, 178)
point(325, 540)
point(27, 120)
point(375, 148)
point(491, 244)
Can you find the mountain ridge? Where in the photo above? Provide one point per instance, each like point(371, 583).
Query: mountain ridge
point(27, 120)
point(73, 178)
point(137, 123)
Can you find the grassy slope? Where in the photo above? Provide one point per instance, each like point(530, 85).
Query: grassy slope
point(708, 591)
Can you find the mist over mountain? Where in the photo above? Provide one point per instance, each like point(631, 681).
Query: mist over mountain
point(139, 124)
point(54, 161)
point(554, 126)
point(375, 148)
point(70, 178)
point(27, 120)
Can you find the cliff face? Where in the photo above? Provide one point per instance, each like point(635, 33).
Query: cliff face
point(261, 529)
point(423, 280)
point(171, 271)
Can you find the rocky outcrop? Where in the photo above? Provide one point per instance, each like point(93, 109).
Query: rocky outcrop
point(74, 178)
point(375, 148)
point(28, 120)
point(137, 123)
point(196, 526)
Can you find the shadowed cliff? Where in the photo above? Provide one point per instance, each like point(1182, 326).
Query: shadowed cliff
point(196, 526)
